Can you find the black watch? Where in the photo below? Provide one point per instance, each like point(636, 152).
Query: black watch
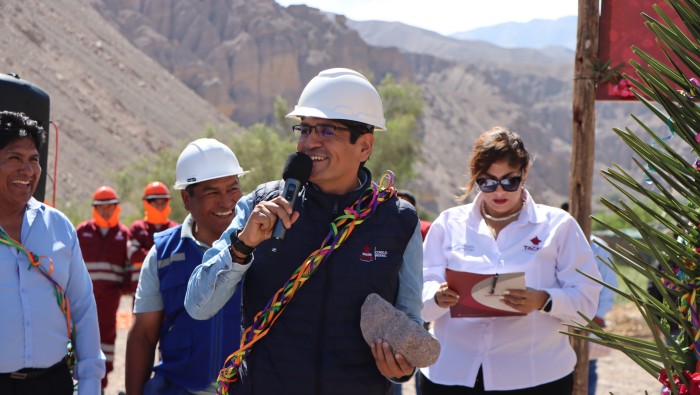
point(240, 246)
point(547, 307)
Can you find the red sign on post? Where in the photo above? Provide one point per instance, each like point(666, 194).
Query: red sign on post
point(621, 27)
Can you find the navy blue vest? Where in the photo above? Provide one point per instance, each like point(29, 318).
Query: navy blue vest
point(192, 351)
point(316, 346)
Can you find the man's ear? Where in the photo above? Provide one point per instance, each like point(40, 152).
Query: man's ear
point(366, 142)
point(185, 199)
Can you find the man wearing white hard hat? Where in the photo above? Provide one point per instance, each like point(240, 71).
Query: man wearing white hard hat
point(191, 351)
point(312, 282)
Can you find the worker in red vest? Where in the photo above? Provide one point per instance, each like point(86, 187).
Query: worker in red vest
point(156, 204)
point(104, 242)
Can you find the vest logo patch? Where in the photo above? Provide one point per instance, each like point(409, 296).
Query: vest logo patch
point(366, 255)
point(370, 254)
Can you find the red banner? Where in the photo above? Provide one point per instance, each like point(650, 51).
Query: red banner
point(621, 26)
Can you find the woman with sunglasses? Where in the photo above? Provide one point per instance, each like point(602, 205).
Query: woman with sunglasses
point(504, 231)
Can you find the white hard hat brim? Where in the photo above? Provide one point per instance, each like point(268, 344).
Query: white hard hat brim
point(183, 185)
point(308, 112)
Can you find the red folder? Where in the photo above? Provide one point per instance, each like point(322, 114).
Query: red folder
point(480, 294)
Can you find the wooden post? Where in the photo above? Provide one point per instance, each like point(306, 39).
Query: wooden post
point(583, 148)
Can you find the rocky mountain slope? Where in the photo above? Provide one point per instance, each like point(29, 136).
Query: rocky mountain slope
point(111, 102)
point(240, 54)
point(130, 77)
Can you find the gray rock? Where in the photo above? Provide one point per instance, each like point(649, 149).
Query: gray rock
point(381, 320)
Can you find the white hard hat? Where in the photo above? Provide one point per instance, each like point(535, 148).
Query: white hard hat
point(341, 94)
point(205, 159)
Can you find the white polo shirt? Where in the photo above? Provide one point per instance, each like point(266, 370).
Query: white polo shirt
point(515, 352)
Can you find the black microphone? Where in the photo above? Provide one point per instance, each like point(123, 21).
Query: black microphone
point(296, 173)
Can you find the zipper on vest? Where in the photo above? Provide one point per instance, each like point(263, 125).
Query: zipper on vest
point(322, 330)
point(215, 336)
point(335, 207)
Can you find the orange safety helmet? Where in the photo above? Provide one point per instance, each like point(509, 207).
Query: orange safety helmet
point(156, 190)
point(104, 195)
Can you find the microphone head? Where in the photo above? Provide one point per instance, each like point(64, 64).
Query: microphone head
point(298, 167)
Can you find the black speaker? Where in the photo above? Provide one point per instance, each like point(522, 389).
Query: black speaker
point(19, 95)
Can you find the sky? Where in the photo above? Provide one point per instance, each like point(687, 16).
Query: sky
point(445, 16)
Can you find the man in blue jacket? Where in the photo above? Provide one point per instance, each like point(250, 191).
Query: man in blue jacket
point(192, 352)
point(316, 345)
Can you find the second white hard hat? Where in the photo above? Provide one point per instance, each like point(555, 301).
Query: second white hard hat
point(205, 159)
point(341, 94)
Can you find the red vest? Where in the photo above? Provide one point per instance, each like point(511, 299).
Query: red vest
point(141, 242)
point(142, 238)
point(424, 227)
point(106, 257)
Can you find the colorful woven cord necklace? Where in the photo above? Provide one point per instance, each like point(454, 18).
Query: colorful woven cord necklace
point(341, 228)
point(688, 307)
point(61, 297)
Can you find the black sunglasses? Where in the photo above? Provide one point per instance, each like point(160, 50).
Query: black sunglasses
point(509, 184)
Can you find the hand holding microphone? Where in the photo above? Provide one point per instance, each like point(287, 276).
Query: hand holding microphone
point(265, 220)
point(297, 171)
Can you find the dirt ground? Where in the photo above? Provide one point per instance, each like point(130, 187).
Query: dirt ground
point(617, 374)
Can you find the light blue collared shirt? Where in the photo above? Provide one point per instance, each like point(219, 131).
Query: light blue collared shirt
point(33, 332)
point(148, 298)
point(213, 282)
point(607, 296)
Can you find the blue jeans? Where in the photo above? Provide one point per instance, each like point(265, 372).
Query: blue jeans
point(592, 376)
point(159, 385)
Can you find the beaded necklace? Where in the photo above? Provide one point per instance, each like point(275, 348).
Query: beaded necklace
point(498, 219)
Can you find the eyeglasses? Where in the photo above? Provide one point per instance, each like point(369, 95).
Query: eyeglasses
point(509, 184)
point(322, 130)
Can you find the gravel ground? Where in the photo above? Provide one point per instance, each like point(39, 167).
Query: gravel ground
point(617, 374)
